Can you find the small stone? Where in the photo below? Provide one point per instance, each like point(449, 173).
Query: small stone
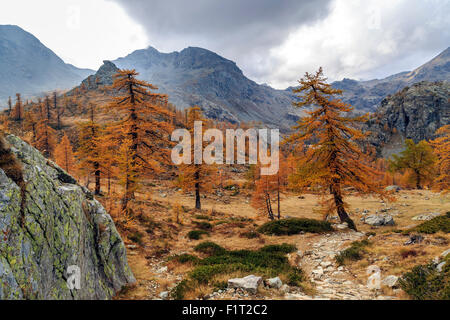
point(164, 295)
point(390, 281)
point(445, 253)
point(285, 288)
point(441, 266)
point(162, 270)
point(274, 283)
point(414, 239)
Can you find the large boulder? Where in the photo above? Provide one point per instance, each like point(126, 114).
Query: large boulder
point(54, 233)
point(249, 283)
point(379, 220)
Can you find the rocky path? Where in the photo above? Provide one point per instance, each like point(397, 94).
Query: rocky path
point(332, 282)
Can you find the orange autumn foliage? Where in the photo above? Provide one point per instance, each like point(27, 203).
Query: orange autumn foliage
point(64, 155)
point(442, 151)
point(144, 129)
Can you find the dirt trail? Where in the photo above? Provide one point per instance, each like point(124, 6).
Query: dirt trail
point(331, 281)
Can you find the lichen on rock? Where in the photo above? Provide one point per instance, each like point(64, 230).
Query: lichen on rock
point(62, 226)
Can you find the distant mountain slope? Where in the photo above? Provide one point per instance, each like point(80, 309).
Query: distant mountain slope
point(415, 113)
point(367, 95)
point(197, 76)
point(28, 67)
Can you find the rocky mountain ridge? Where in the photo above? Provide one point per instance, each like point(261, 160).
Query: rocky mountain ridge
point(366, 96)
point(28, 67)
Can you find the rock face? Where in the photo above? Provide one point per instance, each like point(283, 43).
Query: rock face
point(58, 228)
point(102, 78)
point(414, 113)
point(28, 67)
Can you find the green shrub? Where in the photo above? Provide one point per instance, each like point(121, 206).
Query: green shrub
point(294, 226)
point(180, 290)
point(210, 248)
point(196, 234)
point(284, 248)
point(203, 225)
point(426, 283)
point(186, 258)
point(250, 235)
point(202, 217)
point(354, 253)
point(295, 277)
point(441, 223)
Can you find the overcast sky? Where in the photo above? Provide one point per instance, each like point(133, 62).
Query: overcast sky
point(274, 42)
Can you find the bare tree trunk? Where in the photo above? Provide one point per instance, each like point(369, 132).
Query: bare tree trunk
point(198, 204)
point(339, 202)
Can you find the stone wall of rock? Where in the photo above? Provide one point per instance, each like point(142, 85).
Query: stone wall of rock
point(59, 225)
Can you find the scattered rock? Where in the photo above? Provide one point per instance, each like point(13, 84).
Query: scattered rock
point(285, 288)
point(426, 216)
point(162, 270)
point(164, 295)
point(249, 283)
point(274, 283)
point(414, 239)
point(390, 281)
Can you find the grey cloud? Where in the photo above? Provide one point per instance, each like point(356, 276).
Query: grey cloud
point(242, 30)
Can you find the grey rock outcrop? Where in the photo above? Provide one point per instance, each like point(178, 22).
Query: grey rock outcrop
point(415, 113)
point(59, 226)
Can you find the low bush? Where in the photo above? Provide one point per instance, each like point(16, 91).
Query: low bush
point(180, 290)
point(210, 248)
point(186, 258)
point(294, 226)
point(250, 235)
point(203, 225)
point(441, 223)
point(196, 234)
point(354, 253)
point(427, 283)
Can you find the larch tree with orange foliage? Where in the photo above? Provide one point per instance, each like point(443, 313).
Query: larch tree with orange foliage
point(195, 176)
point(18, 108)
point(89, 150)
point(442, 151)
point(46, 138)
point(333, 158)
point(268, 189)
point(145, 127)
point(64, 156)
